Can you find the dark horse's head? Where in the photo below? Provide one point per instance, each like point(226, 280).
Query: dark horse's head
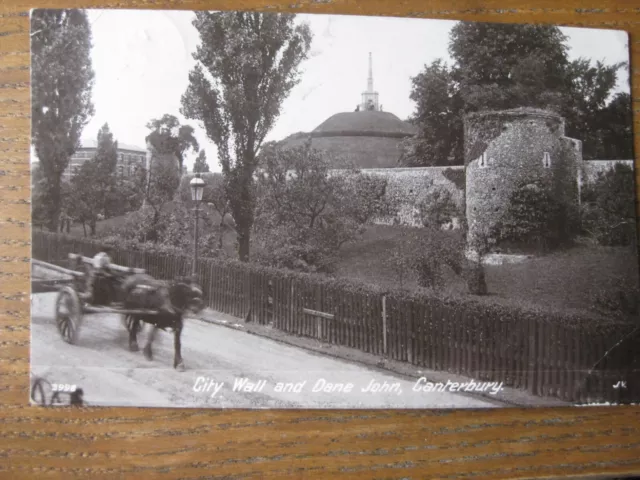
point(186, 295)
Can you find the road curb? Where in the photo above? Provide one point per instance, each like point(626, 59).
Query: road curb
point(514, 397)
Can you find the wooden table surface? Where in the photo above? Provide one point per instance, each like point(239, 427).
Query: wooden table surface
point(133, 443)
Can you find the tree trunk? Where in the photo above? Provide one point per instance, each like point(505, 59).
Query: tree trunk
point(221, 234)
point(92, 226)
point(54, 206)
point(68, 226)
point(153, 233)
point(476, 282)
point(242, 209)
point(84, 228)
point(243, 242)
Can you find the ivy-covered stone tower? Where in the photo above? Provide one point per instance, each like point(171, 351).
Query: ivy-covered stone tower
point(522, 180)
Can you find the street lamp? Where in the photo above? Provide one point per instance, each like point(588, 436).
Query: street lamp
point(197, 189)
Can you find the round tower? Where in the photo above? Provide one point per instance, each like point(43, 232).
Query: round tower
point(513, 159)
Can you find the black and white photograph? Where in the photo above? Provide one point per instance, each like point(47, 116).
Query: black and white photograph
point(250, 209)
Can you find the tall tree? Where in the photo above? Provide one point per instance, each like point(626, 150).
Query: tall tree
point(168, 136)
point(587, 111)
point(438, 118)
point(201, 165)
point(247, 64)
point(159, 185)
point(615, 129)
point(93, 189)
point(61, 84)
point(500, 66)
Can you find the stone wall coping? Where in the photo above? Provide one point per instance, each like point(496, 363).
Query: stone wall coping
point(399, 169)
point(515, 112)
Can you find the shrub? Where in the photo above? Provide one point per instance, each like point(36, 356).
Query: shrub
point(401, 259)
point(533, 218)
point(281, 246)
point(438, 209)
point(429, 253)
point(620, 299)
point(608, 211)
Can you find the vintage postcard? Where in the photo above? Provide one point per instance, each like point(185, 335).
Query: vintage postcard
point(267, 210)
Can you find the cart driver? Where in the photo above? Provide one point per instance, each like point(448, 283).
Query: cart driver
point(100, 282)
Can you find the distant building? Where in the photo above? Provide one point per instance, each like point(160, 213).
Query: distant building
point(129, 158)
point(365, 138)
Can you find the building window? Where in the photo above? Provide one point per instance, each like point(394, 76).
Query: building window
point(546, 160)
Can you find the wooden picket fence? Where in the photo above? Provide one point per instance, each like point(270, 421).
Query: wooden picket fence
point(572, 359)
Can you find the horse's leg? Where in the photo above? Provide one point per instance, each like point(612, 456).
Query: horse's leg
point(147, 348)
point(178, 364)
point(133, 334)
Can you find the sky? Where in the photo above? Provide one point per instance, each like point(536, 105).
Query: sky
point(142, 59)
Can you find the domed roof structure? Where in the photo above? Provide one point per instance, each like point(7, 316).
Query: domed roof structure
point(365, 138)
point(364, 123)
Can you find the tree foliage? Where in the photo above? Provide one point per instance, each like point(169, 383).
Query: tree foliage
point(437, 114)
point(168, 136)
point(247, 64)
point(39, 193)
point(503, 66)
point(590, 111)
point(608, 207)
point(430, 255)
point(62, 80)
point(614, 136)
point(93, 189)
point(201, 165)
point(172, 229)
point(305, 214)
point(159, 184)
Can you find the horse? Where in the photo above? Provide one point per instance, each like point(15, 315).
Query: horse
point(170, 300)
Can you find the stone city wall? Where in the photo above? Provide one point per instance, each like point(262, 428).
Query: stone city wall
point(408, 187)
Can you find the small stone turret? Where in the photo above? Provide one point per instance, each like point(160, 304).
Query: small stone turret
point(511, 149)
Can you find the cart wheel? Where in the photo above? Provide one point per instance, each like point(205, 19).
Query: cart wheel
point(41, 392)
point(68, 314)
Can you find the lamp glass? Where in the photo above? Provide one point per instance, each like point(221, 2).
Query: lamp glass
point(197, 189)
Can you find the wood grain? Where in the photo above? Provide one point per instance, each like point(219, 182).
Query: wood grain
point(164, 443)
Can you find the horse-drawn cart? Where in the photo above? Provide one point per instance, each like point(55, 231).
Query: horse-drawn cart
point(74, 300)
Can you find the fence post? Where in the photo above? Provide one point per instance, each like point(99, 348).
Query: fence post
point(384, 325)
point(533, 362)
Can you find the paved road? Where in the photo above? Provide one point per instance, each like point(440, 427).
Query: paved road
point(217, 359)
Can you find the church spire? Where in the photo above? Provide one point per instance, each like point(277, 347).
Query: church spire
point(370, 97)
point(370, 79)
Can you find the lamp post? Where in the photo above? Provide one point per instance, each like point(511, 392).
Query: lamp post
point(197, 189)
